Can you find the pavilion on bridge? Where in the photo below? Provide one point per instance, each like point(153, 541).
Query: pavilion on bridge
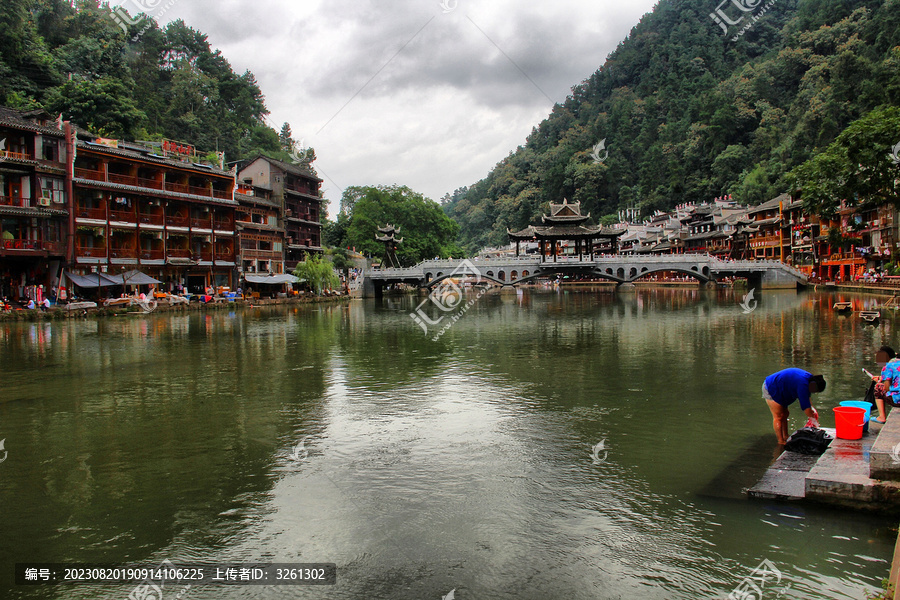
point(566, 223)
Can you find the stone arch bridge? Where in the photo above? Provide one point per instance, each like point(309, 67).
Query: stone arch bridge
point(621, 269)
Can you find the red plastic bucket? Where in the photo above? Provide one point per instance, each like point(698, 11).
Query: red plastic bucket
point(848, 422)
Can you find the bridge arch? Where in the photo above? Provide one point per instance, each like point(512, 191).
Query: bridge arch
point(692, 272)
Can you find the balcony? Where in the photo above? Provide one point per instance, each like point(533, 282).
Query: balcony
point(90, 174)
point(205, 223)
point(123, 253)
point(205, 255)
point(125, 217)
point(98, 214)
point(225, 256)
point(151, 219)
point(14, 155)
point(122, 179)
point(10, 201)
point(253, 253)
point(30, 245)
point(94, 252)
point(177, 187)
point(200, 191)
point(223, 224)
point(178, 253)
point(153, 255)
point(177, 221)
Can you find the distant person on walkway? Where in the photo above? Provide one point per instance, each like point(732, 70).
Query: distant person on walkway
point(781, 389)
point(887, 387)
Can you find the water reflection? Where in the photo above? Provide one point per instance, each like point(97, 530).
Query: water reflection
point(463, 463)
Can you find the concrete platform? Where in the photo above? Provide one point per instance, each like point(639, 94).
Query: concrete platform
point(843, 475)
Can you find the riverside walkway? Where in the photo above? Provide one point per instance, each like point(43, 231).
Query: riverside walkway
point(621, 269)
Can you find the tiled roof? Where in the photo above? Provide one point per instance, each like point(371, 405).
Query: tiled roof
point(29, 211)
point(286, 167)
point(151, 191)
point(771, 204)
point(563, 232)
point(148, 155)
point(256, 200)
point(22, 120)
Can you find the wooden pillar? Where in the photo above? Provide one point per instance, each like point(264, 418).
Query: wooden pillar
point(555, 243)
point(517, 248)
point(591, 242)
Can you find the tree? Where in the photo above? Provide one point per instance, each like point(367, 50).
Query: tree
point(318, 273)
point(103, 106)
point(426, 231)
point(286, 139)
point(857, 167)
point(340, 259)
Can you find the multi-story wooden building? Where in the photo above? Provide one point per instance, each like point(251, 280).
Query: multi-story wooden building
point(33, 202)
point(297, 192)
point(143, 207)
point(259, 231)
point(766, 243)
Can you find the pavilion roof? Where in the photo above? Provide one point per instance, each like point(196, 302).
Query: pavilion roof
point(570, 232)
point(567, 212)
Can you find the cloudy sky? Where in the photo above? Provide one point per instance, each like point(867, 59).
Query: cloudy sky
point(425, 93)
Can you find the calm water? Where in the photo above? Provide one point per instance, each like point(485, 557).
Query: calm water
point(463, 463)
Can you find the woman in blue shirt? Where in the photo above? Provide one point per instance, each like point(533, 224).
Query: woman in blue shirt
point(887, 386)
point(784, 387)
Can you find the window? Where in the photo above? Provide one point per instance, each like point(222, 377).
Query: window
point(53, 189)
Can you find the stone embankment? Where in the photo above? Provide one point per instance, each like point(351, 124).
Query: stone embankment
point(57, 313)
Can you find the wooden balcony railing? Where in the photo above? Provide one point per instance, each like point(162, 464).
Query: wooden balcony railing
point(223, 224)
point(253, 253)
point(206, 255)
point(98, 214)
point(153, 255)
point(94, 252)
point(177, 187)
point(175, 221)
point(123, 253)
point(222, 194)
point(178, 253)
point(89, 174)
point(200, 191)
point(122, 179)
point(201, 223)
point(225, 256)
point(151, 219)
point(14, 155)
point(10, 201)
point(23, 244)
point(118, 215)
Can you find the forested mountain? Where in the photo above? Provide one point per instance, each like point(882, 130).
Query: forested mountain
point(689, 113)
point(72, 57)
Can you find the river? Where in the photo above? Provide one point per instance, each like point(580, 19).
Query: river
point(344, 434)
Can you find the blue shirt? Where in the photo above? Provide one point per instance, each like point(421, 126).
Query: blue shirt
point(892, 371)
point(789, 385)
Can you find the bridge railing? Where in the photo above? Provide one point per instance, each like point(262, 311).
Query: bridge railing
point(446, 266)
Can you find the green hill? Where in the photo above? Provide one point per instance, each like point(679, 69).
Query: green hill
point(146, 83)
point(689, 113)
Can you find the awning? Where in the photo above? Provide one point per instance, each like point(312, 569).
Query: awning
point(91, 281)
point(135, 277)
point(105, 280)
point(271, 279)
